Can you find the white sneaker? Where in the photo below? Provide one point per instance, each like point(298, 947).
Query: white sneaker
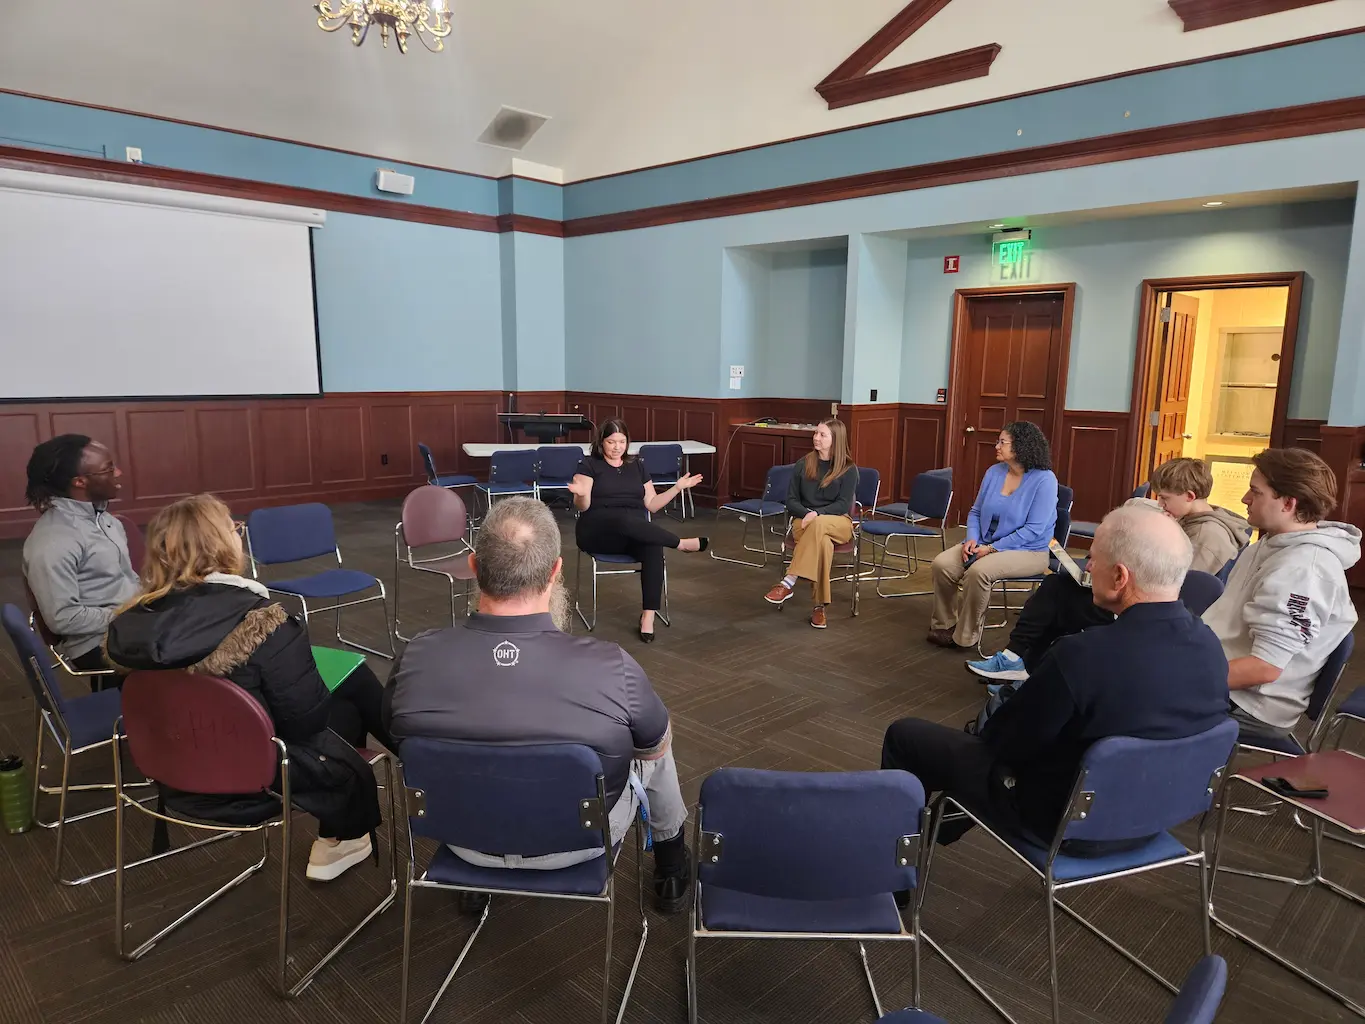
point(330, 857)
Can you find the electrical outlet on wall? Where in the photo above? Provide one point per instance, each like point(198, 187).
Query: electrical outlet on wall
point(384, 460)
point(134, 154)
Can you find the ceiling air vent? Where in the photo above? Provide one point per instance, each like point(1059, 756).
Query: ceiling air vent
point(512, 128)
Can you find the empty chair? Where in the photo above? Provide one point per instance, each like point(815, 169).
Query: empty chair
point(555, 465)
point(806, 855)
point(905, 509)
point(460, 794)
point(664, 464)
point(931, 495)
point(770, 505)
point(437, 479)
point(432, 517)
point(1199, 591)
point(510, 472)
point(1083, 528)
point(294, 533)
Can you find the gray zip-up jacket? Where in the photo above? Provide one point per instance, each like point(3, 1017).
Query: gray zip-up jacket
point(76, 563)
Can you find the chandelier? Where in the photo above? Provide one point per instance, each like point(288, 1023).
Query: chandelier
point(430, 19)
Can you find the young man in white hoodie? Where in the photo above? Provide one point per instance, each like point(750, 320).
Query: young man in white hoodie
point(1286, 605)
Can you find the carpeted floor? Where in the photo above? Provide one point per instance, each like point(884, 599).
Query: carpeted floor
point(746, 685)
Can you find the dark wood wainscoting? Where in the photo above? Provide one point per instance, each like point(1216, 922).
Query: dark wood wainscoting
point(1304, 434)
point(1090, 457)
point(253, 452)
point(1343, 448)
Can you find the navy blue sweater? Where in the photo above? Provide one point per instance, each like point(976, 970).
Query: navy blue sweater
point(1157, 672)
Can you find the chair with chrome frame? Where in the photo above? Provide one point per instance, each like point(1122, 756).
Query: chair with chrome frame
point(538, 799)
point(1126, 789)
point(78, 725)
point(1061, 533)
point(931, 495)
point(510, 471)
point(1352, 709)
point(166, 715)
point(53, 643)
point(431, 517)
point(555, 466)
point(294, 533)
point(772, 504)
point(664, 464)
point(1082, 529)
point(864, 498)
point(437, 479)
point(808, 855)
point(622, 560)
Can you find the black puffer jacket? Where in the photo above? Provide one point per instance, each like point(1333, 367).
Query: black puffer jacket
point(229, 631)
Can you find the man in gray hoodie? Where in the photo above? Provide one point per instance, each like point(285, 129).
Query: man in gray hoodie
point(1286, 605)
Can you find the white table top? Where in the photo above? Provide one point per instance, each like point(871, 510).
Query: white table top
point(481, 450)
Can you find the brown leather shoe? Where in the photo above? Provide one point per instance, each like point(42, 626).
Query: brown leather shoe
point(817, 617)
point(941, 638)
point(779, 594)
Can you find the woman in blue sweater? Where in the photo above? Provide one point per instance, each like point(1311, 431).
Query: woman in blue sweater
point(1008, 530)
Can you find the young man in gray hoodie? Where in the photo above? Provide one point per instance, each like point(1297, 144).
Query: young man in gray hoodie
point(1286, 605)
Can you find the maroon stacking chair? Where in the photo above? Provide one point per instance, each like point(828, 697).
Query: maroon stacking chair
point(203, 735)
point(137, 545)
point(433, 517)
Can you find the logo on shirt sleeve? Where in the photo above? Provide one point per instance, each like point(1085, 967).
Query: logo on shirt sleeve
point(1298, 605)
point(505, 655)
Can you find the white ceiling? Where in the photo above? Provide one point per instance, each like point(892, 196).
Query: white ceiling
point(627, 83)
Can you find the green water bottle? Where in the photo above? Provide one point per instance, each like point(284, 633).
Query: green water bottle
point(16, 808)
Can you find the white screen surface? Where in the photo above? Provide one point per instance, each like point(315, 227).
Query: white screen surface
point(103, 298)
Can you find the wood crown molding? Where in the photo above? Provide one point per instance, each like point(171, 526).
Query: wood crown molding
point(1197, 14)
point(1232, 130)
point(854, 81)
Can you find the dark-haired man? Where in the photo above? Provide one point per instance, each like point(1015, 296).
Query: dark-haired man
point(76, 557)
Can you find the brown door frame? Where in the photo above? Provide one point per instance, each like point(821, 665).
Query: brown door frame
point(1147, 321)
point(952, 432)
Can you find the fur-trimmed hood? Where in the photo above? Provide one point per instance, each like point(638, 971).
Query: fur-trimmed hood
point(210, 629)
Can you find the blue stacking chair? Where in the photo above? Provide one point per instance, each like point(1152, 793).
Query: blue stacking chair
point(534, 799)
point(771, 505)
point(597, 561)
point(1199, 591)
point(1086, 529)
point(807, 855)
point(443, 479)
point(294, 533)
point(1324, 686)
point(1061, 533)
point(931, 495)
point(1126, 789)
point(1352, 709)
point(510, 472)
point(555, 465)
point(665, 465)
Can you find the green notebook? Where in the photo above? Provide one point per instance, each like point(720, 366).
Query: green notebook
point(334, 666)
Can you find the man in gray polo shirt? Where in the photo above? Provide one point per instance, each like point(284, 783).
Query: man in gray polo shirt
point(511, 674)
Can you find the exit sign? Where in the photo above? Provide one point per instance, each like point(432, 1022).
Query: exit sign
point(1009, 253)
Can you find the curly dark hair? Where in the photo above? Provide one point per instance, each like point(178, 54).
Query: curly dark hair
point(1031, 449)
point(52, 467)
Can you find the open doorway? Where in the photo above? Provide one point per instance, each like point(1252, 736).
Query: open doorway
point(1211, 381)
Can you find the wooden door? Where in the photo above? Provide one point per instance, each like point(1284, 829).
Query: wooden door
point(1013, 367)
point(1173, 389)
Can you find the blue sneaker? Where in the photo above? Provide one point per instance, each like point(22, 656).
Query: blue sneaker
point(999, 666)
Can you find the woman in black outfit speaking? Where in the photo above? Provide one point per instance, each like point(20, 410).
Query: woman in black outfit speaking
point(613, 494)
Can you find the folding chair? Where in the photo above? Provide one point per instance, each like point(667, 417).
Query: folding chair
point(555, 465)
point(1199, 591)
point(598, 560)
point(665, 465)
point(1083, 529)
point(1126, 789)
point(1061, 533)
point(536, 799)
point(771, 505)
point(53, 643)
point(807, 855)
point(78, 725)
point(203, 735)
point(293, 533)
point(931, 495)
point(432, 516)
point(511, 472)
point(864, 498)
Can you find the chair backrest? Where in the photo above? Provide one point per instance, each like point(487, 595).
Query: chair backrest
point(44, 630)
point(557, 461)
point(1226, 571)
point(1200, 590)
point(662, 459)
point(809, 835)
point(1201, 993)
point(1328, 676)
point(137, 544)
point(931, 493)
point(1065, 497)
point(505, 798)
point(779, 480)
point(869, 483)
point(433, 515)
point(1142, 787)
point(198, 734)
point(290, 533)
point(35, 660)
point(1142, 490)
point(513, 467)
point(428, 462)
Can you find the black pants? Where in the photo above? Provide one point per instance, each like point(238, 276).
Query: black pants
point(1059, 607)
point(356, 710)
point(94, 660)
point(611, 531)
point(948, 761)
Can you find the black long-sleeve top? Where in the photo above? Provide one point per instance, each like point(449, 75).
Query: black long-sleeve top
point(807, 495)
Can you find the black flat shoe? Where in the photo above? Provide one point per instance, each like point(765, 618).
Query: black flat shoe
point(703, 543)
point(646, 637)
point(671, 891)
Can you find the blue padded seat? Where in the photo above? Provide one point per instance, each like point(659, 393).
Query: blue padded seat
point(328, 583)
point(91, 718)
point(890, 528)
point(586, 879)
point(1354, 704)
point(725, 910)
point(755, 507)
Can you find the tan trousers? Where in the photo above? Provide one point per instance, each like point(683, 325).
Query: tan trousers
point(965, 613)
point(814, 553)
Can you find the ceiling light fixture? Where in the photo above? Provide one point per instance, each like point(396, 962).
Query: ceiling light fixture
point(1214, 202)
point(996, 227)
point(429, 18)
